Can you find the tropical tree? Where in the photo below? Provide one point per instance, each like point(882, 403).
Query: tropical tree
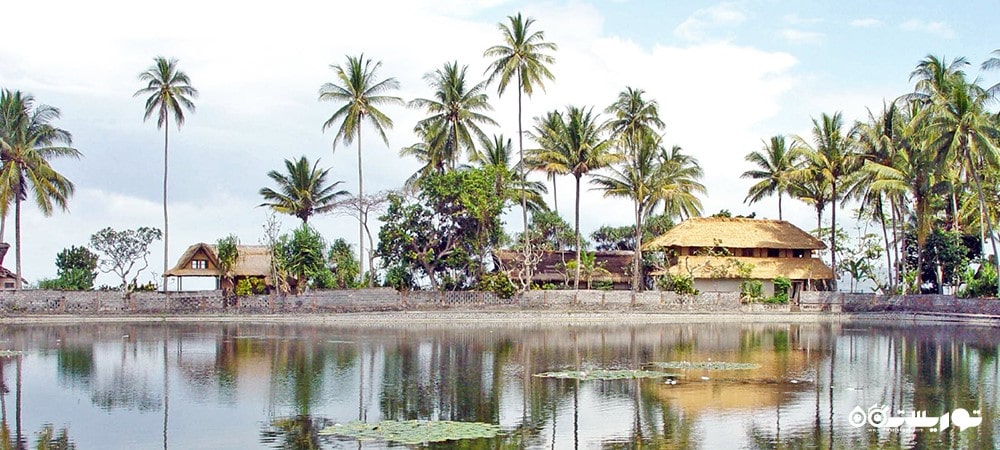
point(495, 154)
point(774, 164)
point(361, 94)
point(456, 113)
point(522, 57)
point(168, 93)
point(680, 188)
point(27, 142)
point(579, 149)
point(635, 119)
point(833, 158)
point(993, 63)
point(546, 134)
point(302, 191)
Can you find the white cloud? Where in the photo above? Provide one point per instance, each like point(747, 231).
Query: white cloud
point(704, 21)
point(867, 22)
point(795, 19)
point(802, 37)
point(939, 29)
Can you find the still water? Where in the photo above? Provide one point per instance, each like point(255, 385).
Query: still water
point(217, 386)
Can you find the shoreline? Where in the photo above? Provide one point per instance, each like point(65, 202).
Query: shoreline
point(494, 318)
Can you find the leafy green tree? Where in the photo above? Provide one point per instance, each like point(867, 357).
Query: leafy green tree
point(169, 92)
point(495, 154)
point(343, 265)
point(303, 255)
point(549, 232)
point(362, 94)
point(545, 133)
point(774, 164)
point(27, 142)
point(944, 259)
point(456, 114)
point(302, 190)
point(522, 57)
point(77, 269)
point(447, 231)
point(124, 251)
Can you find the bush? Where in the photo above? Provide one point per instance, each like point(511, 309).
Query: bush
point(982, 282)
point(497, 283)
point(751, 291)
point(781, 287)
point(246, 287)
point(681, 284)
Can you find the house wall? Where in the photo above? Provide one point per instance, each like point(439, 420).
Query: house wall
point(729, 285)
point(201, 254)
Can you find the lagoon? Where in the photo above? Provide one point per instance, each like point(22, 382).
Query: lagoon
point(266, 385)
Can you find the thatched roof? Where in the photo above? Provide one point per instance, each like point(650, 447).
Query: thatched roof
point(254, 261)
point(728, 232)
point(552, 266)
point(763, 268)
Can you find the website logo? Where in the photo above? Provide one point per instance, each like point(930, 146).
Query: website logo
point(878, 416)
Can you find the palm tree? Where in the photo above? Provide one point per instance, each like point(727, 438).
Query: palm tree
point(640, 178)
point(361, 92)
point(834, 159)
point(579, 149)
point(27, 142)
point(521, 56)
point(774, 162)
point(991, 64)
point(679, 190)
point(546, 134)
point(634, 119)
point(169, 93)
point(455, 114)
point(495, 154)
point(303, 190)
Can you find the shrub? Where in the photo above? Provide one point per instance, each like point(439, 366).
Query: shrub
point(751, 291)
point(781, 287)
point(498, 283)
point(681, 284)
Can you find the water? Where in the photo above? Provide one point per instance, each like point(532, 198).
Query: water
point(216, 386)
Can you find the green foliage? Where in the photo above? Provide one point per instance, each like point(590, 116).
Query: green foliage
point(227, 250)
point(782, 286)
point(681, 284)
point(498, 283)
point(751, 291)
point(548, 231)
point(945, 254)
point(446, 233)
point(981, 282)
point(723, 213)
point(603, 374)
point(302, 191)
point(77, 268)
point(590, 269)
point(124, 251)
point(344, 267)
point(399, 278)
point(413, 432)
point(246, 287)
point(706, 365)
point(302, 255)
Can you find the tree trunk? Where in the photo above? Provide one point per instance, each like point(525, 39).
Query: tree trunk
point(885, 237)
point(524, 198)
point(166, 224)
point(637, 255)
point(361, 216)
point(17, 238)
point(779, 206)
point(833, 233)
point(982, 204)
point(555, 202)
point(576, 281)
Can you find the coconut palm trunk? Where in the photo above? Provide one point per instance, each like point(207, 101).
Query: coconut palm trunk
point(637, 255)
point(576, 281)
point(361, 215)
point(982, 203)
point(17, 237)
point(833, 233)
point(166, 223)
point(524, 197)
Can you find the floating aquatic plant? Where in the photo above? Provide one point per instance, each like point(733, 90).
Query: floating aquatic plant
point(601, 374)
point(413, 431)
point(707, 365)
point(6, 353)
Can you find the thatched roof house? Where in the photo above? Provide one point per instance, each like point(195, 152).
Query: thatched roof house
point(614, 267)
point(201, 260)
point(713, 249)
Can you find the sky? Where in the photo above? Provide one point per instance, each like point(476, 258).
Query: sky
point(726, 75)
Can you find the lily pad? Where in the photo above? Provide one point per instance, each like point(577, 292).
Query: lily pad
point(601, 374)
point(7, 353)
point(413, 431)
point(706, 365)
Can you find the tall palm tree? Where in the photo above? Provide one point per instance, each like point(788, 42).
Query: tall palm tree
point(456, 113)
point(302, 191)
point(634, 119)
point(579, 149)
point(546, 134)
point(774, 164)
point(993, 63)
point(361, 93)
point(522, 57)
point(27, 142)
point(834, 158)
point(169, 93)
point(680, 188)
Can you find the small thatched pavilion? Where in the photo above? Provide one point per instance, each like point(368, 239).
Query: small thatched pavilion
point(712, 249)
point(201, 260)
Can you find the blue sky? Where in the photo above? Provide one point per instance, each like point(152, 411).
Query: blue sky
point(726, 75)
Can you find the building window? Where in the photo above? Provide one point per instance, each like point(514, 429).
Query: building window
point(798, 253)
point(747, 252)
point(199, 264)
point(772, 253)
point(8, 285)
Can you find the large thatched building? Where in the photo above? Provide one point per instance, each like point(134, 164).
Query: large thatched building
point(553, 268)
point(719, 253)
point(201, 260)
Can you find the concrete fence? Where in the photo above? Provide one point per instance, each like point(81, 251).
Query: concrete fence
point(385, 299)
